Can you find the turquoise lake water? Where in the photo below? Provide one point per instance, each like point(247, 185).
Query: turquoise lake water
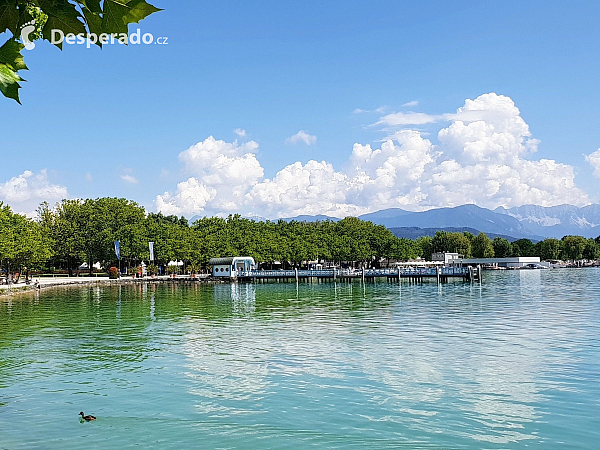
point(511, 363)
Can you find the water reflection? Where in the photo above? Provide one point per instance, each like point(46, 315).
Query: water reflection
point(495, 365)
point(458, 365)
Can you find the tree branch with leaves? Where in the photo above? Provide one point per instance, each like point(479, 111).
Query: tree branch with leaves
point(77, 17)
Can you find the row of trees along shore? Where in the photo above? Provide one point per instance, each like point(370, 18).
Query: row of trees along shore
point(74, 232)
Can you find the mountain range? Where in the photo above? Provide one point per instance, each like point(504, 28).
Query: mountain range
point(528, 221)
point(416, 232)
point(557, 221)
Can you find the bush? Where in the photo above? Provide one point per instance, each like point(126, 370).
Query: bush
point(152, 269)
point(113, 273)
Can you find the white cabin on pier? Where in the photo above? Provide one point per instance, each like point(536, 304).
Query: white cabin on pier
point(230, 266)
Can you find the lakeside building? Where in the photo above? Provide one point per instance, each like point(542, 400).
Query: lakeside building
point(446, 257)
point(516, 262)
point(455, 259)
point(228, 267)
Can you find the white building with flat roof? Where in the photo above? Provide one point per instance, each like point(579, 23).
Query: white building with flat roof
point(513, 262)
point(445, 257)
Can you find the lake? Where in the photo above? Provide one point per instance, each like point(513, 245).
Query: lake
point(509, 363)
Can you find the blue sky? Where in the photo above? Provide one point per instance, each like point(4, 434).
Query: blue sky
point(114, 122)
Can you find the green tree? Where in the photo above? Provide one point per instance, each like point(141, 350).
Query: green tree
point(424, 247)
point(440, 242)
point(482, 246)
point(404, 249)
point(502, 247)
point(523, 247)
point(573, 247)
point(549, 249)
point(22, 242)
point(98, 17)
point(591, 250)
point(460, 243)
point(67, 225)
point(452, 242)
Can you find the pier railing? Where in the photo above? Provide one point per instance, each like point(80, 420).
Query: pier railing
point(408, 272)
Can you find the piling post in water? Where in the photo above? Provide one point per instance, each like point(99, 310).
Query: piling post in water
point(363, 274)
point(437, 271)
point(296, 269)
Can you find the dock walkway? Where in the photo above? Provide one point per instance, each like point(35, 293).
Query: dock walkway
point(418, 273)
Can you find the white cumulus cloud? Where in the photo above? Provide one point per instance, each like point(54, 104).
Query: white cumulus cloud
point(240, 132)
point(593, 160)
point(221, 174)
point(25, 192)
point(302, 136)
point(483, 156)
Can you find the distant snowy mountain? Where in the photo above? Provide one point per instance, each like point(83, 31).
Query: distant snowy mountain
point(528, 221)
point(557, 221)
point(306, 218)
point(465, 216)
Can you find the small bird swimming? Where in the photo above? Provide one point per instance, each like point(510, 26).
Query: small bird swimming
point(86, 418)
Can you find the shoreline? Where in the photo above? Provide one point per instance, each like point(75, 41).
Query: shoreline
point(53, 283)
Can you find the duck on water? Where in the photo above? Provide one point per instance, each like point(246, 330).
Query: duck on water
point(86, 418)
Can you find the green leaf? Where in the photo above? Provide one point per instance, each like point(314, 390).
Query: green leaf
point(10, 54)
point(11, 61)
point(61, 16)
point(113, 17)
point(94, 23)
point(9, 16)
point(139, 10)
point(118, 14)
point(9, 82)
point(92, 5)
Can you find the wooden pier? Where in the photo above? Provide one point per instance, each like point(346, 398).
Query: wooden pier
point(440, 274)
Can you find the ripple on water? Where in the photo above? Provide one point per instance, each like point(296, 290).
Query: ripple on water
point(511, 361)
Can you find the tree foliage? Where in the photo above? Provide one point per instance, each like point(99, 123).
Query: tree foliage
point(502, 247)
point(452, 242)
point(482, 246)
point(549, 249)
point(78, 17)
point(573, 247)
point(83, 231)
point(23, 243)
point(523, 247)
